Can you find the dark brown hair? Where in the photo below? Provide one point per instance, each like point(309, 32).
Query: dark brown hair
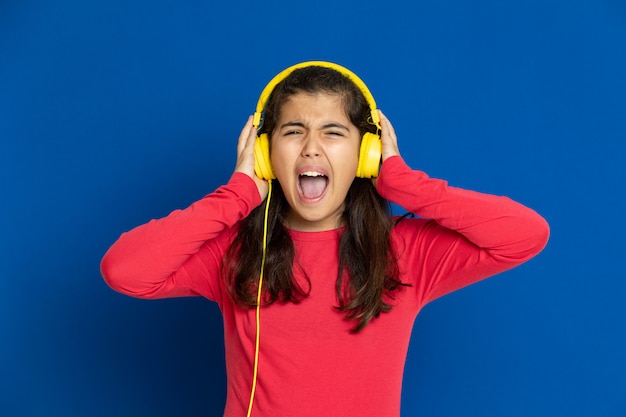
point(368, 272)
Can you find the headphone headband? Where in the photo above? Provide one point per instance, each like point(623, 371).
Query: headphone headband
point(267, 91)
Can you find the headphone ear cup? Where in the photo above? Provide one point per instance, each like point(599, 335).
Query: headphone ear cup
point(262, 164)
point(369, 156)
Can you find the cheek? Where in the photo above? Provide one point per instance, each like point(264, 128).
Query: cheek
point(351, 153)
point(280, 160)
point(346, 163)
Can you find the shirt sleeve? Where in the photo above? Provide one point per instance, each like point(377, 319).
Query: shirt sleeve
point(173, 256)
point(462, 236)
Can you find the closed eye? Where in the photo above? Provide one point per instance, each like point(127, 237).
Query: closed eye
point(336, 129)
point(291, 128)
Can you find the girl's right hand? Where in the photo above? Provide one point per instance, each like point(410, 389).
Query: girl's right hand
point(245, 157)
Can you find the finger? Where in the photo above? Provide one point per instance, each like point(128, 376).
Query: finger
point(386, 125)
point(245, 149)
point(244, 136)
point(245, 156)
point(388, 138)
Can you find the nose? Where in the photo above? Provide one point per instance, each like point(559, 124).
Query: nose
point(311, 147)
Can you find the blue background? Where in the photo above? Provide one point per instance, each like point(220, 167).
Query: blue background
point(116, 112)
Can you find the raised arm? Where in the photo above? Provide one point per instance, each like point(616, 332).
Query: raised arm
point(468, 235)
point(149, 260)
point(143, 262)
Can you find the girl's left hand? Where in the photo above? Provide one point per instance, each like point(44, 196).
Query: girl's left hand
point(388, 138)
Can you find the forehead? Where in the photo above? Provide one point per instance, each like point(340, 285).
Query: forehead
point(314, 105)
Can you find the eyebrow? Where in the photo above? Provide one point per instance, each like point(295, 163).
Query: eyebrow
point(335, 125)
point(291, 124)
point(326, 126)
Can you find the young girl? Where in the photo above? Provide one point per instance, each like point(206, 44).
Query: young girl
point(342, 281)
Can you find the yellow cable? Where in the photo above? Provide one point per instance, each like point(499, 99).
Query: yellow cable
point(258, 302)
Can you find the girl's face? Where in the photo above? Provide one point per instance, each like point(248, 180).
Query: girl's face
point(314, 154)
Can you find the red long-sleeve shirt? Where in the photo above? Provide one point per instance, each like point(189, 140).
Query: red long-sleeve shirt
point(310, 365)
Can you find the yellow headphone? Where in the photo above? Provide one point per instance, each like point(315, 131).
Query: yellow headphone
point(371, 147)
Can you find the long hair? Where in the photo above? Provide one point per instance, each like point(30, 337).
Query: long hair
point(368, 274)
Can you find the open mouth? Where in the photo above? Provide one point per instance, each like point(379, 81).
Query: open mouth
point(312, 184)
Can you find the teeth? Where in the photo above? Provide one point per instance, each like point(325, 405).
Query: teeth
point(312, 174)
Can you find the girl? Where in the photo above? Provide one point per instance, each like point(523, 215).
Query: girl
point(342, 281)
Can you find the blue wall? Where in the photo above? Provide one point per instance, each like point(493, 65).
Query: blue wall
point(115, 112)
